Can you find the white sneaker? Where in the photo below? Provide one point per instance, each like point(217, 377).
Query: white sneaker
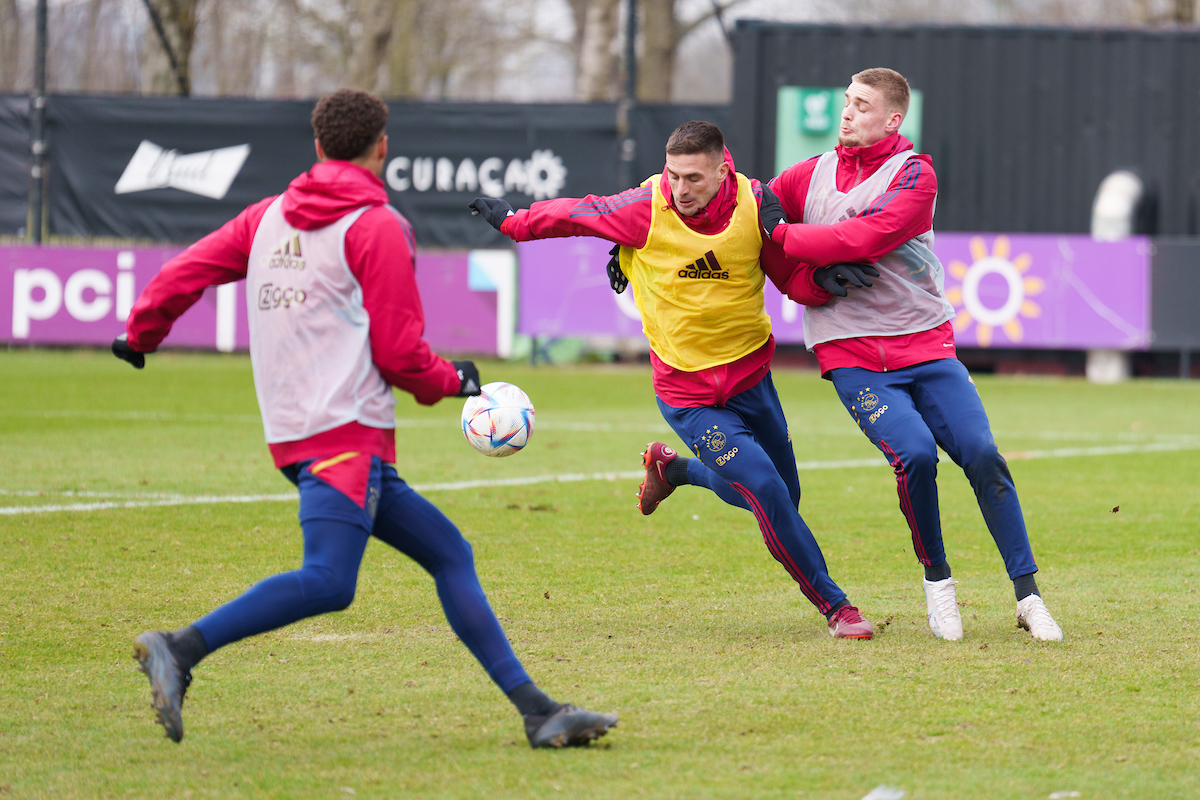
point(941, 606)
point(1033, 616)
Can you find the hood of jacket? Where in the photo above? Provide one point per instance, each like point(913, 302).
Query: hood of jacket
point(328, 191)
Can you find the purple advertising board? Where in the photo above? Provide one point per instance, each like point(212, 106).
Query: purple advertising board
point(81, 296)
point(564, 291)
point(70, 295)
point(1010, 290)
point(458, 317)
point(1047, 290)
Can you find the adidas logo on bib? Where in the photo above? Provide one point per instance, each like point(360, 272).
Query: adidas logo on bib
point(705, 268)
point(287, 255)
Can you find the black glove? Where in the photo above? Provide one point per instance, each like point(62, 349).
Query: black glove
point(468, 377)
point(123, 351)
point(835, 278)
point(616, 278)
point(493, 209)
point(770, 213)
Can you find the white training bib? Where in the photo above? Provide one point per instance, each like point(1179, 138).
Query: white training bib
point(309, 332)
point(907, 296)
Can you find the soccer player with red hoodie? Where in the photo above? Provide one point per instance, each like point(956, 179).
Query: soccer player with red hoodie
point(888, 345)
point(689, 241)
point(335, 323)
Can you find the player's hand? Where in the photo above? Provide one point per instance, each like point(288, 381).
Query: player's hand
point(123, 351)
point(770, 212)
point(834, 279)
point(468, 378)
point(493, 209)
point(616, 278)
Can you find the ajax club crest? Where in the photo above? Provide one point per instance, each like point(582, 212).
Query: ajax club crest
point(713, 439)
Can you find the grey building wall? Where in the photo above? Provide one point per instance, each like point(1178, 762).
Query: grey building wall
point(1022, 123)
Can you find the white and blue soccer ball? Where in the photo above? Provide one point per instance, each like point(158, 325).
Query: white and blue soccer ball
point(499, 421)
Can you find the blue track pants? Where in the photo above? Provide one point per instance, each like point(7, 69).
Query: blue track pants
point(908, 414)
point(335, 535)
point(745, 456)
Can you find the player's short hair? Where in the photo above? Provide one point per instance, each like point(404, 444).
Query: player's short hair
point(891, 85)
point(696, 136)
point(348, 122)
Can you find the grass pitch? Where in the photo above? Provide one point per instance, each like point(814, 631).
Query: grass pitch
point(725, 679)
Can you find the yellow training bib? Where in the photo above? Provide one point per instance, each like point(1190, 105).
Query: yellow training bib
point(700, 297)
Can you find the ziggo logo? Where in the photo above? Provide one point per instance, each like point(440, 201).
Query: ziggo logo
point(73, 294)
point(272, 296)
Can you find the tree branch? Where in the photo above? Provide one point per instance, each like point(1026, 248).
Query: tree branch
point(180, 78)
point(682, 29)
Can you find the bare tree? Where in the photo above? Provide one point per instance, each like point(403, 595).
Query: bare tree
point(598, 64)
point(10, 44)
point(232, 46)
point(175, 23)
point(664, 32)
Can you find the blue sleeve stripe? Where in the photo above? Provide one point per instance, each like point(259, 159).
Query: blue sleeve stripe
point(908, 179)
point(607, 205)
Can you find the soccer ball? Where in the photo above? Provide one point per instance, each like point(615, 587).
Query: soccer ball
point(499, 421)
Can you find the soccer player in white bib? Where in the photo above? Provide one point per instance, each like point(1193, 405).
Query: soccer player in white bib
point(335, 323)
point(859, 220)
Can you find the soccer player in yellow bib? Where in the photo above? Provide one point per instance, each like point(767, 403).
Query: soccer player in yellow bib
point(690, 243)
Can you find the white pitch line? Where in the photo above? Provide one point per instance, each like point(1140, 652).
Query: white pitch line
point(1109, 450)
point(140, 416)
point(159, 500)
point(335, 637)
point(180, 500)
point(574, 477)
point(70, 493)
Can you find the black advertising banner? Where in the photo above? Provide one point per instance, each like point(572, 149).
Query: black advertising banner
point(173, 169)
point(14, 164)
point(442, 155)
point(169, 169)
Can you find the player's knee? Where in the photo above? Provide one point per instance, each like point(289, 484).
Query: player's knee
point(768, 486)
point(461, 553)
point(329, 591)
point(341, 600)
point(920, 461)
point(453, 551)
point(982, 461)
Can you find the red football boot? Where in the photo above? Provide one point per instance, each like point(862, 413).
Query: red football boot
point(654, 488)
point(847, 623)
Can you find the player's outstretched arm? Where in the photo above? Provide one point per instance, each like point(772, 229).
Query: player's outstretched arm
point(220, 257)
point(623, 218)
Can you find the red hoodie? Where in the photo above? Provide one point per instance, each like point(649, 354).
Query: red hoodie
point(625, 220)
point(380, 254)
point(905, 210)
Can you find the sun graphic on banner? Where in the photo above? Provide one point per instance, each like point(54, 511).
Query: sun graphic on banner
point(971, 310)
